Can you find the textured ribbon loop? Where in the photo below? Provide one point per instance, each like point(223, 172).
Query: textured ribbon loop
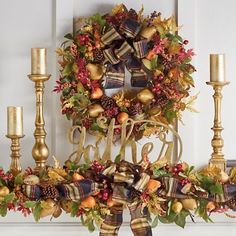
point(139, 223)
point(130, 28)
point(114, 76)
point(110, 36)
point(141, 48)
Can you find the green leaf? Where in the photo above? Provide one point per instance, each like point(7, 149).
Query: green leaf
point(67, 69)
point(2, 182)
point(155, 222)
point(163, 220)
point(37, 211)
point(68, 36)
point(216, 189)
point(180, 221)
point(117, 159)
point(74, 209)
point(95, 127)
point(91, 226)
point(170, 115)
point(9, 197)
point(19, 179)
point(3, 210)
point(160, 173)
point(30, 204)
point(98, 19)
point(154, 63)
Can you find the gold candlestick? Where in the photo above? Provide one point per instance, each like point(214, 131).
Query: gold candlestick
point(217, 81)
point(15, 166)
point(40, 151)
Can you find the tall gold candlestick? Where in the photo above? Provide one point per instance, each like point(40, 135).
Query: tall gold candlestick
point(217, 81)
point(15, 132)
point(40, 151)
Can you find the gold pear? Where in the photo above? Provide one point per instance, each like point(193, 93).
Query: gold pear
point(145, 96)
point(177, 207)
point(4, 191)
point(96, 71)
point(189, 204)
point(95, 110)
point(148, 32)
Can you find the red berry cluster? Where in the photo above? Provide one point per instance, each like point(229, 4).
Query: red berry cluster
point(6, 176)
point(80, 212)
point(97, 167)
point(83, 39)
point(184, 182)
point(175, 170)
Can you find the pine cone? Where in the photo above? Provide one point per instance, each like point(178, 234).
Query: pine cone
point(107, 102)
point(98, 55)
point(167, 64)
point(232, 204)
point(49, 191)
point(135, 109)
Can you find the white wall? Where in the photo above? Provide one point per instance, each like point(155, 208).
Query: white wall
point(209, 25)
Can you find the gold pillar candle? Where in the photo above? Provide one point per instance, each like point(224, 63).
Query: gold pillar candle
point(217, 67)
point(14, 121)
point(38, 61)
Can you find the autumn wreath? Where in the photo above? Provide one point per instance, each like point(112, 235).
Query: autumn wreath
point(95, 58)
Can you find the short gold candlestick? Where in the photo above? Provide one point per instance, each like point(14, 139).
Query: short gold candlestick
point(217, 143)
point(40, 151)
point(15, 166)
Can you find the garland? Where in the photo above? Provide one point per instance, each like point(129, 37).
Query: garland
point(98, 192)
point(96, 56)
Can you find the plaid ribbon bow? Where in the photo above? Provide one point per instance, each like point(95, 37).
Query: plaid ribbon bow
point(127, 179)
point(120, 52)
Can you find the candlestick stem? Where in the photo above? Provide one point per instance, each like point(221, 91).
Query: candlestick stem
point(15, 166)
point(217, 142)
point(40, 151)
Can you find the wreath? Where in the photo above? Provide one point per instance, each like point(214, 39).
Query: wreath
point(98, 56)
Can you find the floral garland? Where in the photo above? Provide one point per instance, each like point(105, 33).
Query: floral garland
point(97, 193)
point(95, 59)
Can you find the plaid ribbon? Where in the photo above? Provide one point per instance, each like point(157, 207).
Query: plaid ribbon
point(77, 191)
point(138, 223)
point(120, 53)
point(33, 192)
point(174, 189)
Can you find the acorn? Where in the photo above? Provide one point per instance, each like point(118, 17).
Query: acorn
point(88, 202)
point(145, 96)
point(96, 71)
point(77, 177)
point(152, 186)
point(57, 212)
point(210, 206)
point(189, 204)
point(177, 207)
point(4, 191)
point(223, 177)
point(97, 93)
point(147, 63)
point(31, 180)
point(154, 111)
point(148, 32)
point(66, 205)
point(95, 110)
point(122, 116)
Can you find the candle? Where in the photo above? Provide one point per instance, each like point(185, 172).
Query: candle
point(217, 67)
point(15, 121)
point(38, 61)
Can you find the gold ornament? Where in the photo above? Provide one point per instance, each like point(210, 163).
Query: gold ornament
point(96, 71)
point(148, 32)
point(77, 177)
point(49, 207)
point(4, 191)
point(95, 110)
point(177, 207)
point(189, 204)
point(96, 94)
point(122, 116)
point(223, 177)
point(145, 96)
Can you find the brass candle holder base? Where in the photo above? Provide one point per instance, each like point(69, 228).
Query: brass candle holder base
point(40, 151)
point(217, 143)
point(15, 166)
